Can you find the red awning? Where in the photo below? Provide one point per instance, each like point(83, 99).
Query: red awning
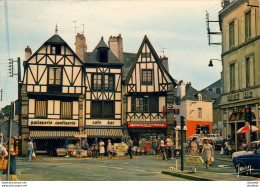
point(147, 125)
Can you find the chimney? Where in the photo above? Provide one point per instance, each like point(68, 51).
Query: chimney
point(225, 3)
point(28, 53)
point(181, 89)
point(81, 46)
point(116, 46)
point(165, 63)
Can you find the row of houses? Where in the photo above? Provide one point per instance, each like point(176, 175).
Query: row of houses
point(106, 93)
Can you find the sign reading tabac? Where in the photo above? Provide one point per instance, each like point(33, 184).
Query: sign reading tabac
point(52, 123)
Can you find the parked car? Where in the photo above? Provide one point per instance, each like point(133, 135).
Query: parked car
point(250, 149)
point(218, 143)
point(194, 135)
point(248, 163)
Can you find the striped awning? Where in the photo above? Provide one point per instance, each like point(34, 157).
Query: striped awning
point(104, 133)
point(38, 134)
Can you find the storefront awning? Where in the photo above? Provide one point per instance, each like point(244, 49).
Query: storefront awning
point(104, 133)
point(37, 134)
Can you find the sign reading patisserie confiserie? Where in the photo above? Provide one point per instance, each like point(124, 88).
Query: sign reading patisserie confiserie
point(52, 123)
point(146, 125)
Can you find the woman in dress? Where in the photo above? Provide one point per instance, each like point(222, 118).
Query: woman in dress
point(101, 148)
point(208, 152)
point(13, 153)
point(193, 147)
point(109, 149)
point(147, 147)
point(4, 154)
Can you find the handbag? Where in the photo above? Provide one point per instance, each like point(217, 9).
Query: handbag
point(211, 159)
point(33, 155)
point(3, 164)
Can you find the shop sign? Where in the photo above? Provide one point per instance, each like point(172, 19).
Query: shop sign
point(233, 97)
point(121, 148)
point(147, 125)
point(52, 123)
point(103, 122)
point(248, 94)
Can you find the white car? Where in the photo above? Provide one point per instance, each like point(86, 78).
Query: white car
point(250, 150)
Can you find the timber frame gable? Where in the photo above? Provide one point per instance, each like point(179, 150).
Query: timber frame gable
point(148, 60)
point(54, 55)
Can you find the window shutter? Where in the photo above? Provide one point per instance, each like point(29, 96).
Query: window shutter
point(243, 74)
point(236, 32)
point(253, 24)
point(242, 30)
point(227, 78)
point(236, 76)
point(252, 80)
point(227, 38)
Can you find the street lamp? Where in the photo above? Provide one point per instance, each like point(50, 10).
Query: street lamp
point(210, 62)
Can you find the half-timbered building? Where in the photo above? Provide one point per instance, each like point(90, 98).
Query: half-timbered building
point(103, 93)
point(52, 95)
point(148, 95)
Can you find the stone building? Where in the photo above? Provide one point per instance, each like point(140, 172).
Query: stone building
point(240, 77)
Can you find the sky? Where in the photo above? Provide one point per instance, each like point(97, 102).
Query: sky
point(176, 27)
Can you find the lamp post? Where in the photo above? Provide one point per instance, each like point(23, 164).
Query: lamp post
point(210, 62)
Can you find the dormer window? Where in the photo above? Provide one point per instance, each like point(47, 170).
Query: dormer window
point(103, 54)
point(56, 49)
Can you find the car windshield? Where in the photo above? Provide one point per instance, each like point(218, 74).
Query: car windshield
point(252, 147)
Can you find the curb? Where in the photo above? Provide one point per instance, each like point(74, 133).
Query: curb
point(226, 160)
point(186, 176)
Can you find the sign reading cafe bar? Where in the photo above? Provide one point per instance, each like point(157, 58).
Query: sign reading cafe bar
point(53, 123)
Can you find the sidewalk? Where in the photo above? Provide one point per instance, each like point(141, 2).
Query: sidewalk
point(210, 176)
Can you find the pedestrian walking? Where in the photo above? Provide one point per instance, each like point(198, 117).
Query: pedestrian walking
point(169, 142)
point(130, 146)
point(208, 153)
point(4, 154)
point(30, 150)
point(101, 148)
point(147, 147)
point(244, 144)
point(193, 148)
point(109, 149)
point(161, 148)
point(86, 145)
point(228, 147)
point(95, 148)
point(13, 153)
point(213, 148)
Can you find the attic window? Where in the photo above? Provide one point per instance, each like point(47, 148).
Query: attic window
point(56, 49)
point(103, 55)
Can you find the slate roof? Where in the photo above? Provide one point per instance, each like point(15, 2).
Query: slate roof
point(129, 59)
point(210, 94)
point(192, 94)
point(92, 57)
point(55, 39)
point(216, 84)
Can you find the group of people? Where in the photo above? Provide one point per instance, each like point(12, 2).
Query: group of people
point(13, 153)
point(96, 149)
point(207, 149)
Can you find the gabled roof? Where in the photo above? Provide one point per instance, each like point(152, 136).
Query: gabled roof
point(55, 39)
point(92, 57)
point(216, 84)
point(192, 94)
point(157, 59)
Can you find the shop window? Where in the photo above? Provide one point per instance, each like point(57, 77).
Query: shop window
point(146, 76)
point(66, 110)
point(248, 26)
point(96, 109)
point(40, 109)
